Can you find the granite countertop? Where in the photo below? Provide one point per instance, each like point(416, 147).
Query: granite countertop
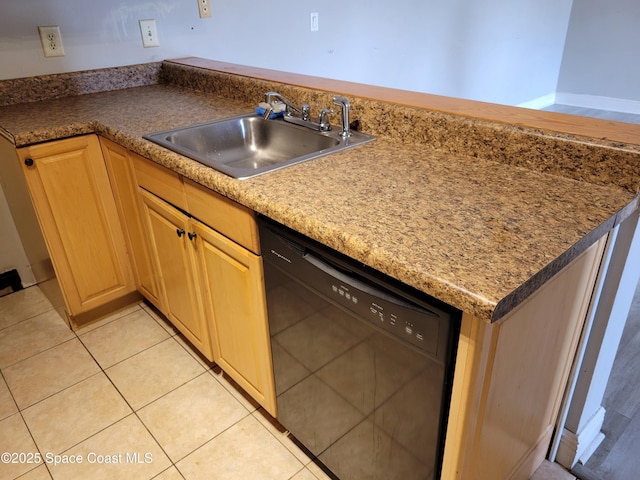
point(478, 232)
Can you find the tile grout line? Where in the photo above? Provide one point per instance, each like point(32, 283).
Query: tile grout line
point(248, 407)
point(23, 291)
point(135, 412)
point(24, 421)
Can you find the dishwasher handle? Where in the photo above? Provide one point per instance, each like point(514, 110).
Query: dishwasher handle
point(374, 292)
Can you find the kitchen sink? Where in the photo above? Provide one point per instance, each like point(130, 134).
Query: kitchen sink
point(248, 145)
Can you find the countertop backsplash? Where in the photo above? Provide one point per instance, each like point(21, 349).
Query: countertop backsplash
point(45, 87)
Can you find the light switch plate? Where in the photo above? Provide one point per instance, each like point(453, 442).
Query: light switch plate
point(149, 33)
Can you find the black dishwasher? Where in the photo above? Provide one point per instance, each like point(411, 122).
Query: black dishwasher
point(362, 364)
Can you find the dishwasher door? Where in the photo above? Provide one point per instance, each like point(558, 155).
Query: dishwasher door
point(362, 372)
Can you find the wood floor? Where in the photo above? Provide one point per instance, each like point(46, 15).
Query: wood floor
point(617, 457)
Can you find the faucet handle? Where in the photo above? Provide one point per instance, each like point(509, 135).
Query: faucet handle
point(323, 121)
point(305, 111)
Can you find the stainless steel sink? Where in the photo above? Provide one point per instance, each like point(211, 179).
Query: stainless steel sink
point(248, 145)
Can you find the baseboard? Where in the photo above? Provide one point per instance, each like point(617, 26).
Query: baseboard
point(580, 446)
point(540, 102)
point(598, 102)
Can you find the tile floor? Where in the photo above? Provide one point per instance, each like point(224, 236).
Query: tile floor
point(130, 399)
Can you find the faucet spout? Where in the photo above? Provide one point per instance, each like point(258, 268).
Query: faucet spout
point(344, 105)
point(270, 96)
point(301, 116)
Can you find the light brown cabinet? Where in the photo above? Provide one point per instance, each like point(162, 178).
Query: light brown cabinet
point(72, 196)
point(510, 377)
point(205, 252)
point(232, 278)
point(172, 241)
point(125, 190)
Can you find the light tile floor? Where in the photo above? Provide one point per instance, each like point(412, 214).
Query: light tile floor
point(129, 399)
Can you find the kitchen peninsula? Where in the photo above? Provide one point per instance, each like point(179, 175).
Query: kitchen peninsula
point(505, 219)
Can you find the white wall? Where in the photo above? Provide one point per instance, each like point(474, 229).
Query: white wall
point(489, 50)
point(601, 62)
point(12, 254)
point(493, 50)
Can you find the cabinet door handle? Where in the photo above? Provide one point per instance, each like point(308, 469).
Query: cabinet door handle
point(192, 235)
point(180, 231)
point(28, 162)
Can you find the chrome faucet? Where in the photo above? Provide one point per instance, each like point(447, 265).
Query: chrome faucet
point(269, 98)
point(344, 105)
point(302, 118)
point(323, 120)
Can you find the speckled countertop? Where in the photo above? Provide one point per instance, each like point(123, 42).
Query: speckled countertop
point(475, 214)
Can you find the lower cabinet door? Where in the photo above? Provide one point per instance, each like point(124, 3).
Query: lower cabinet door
point(123, 182)
point(233, 281)
point(171, 242)
point(212, 289)
point(72, 196)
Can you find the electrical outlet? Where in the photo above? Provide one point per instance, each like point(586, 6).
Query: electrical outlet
point(51, 41)
point(204, 7)
point(149, 33)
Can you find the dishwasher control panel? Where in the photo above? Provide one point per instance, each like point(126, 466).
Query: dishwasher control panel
point(410, 322)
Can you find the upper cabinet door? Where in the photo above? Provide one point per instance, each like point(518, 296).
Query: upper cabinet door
point(70, 190)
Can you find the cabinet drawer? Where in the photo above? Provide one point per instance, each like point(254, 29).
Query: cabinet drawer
point(160, 181)
point(233, 220)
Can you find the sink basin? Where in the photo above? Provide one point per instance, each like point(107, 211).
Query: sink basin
point(248, 145)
